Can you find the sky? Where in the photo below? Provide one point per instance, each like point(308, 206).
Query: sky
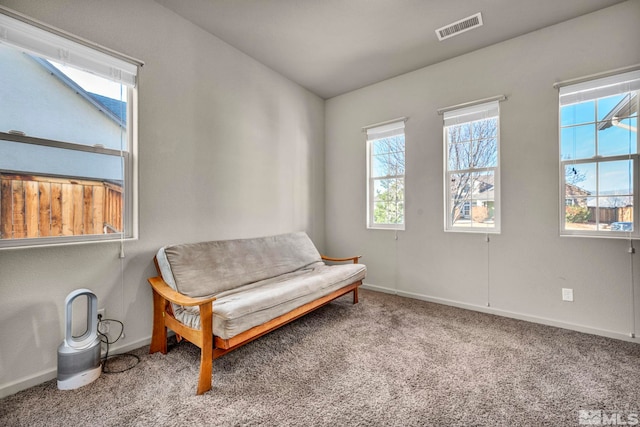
point(93, 83)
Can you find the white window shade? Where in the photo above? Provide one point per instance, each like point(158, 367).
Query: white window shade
point(59, 49)
point(469, 114)
point(385, 130)
point(599, 88)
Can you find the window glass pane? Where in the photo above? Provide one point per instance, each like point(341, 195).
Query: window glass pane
point(483, 200)
point(485, 153)
point(615, 178)
point(623, 216)
point(615, 213)
point(574, 114)
point(46, 100)
point(44, 206)
point(388, 201)
point(33, 159)
point(580, 179)
point(389, 165)
point(578, 142)
point(399, 163)
point(605, 207)
point(617, 137)
point(388, 156)
point(378, 168)
point(378, 146)
point(484, 128)
point(460, 190)
point(579, 213)
point(459, 156)
point(388, 145)
point(459, 133)
point(613, 105)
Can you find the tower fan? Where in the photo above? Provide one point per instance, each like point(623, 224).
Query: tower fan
point(79, 357)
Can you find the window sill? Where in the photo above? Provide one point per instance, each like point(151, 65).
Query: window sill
point(388, 228)
point(30, 244)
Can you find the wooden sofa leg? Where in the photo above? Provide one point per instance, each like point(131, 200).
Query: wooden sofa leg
point(206, 349)
point(206, 364)
point(355, 295)
point(159, 334)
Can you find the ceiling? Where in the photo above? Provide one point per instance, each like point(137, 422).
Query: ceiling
point(335, 46)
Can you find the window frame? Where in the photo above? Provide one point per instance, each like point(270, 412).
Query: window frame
point(392, 128)
point(470, 113)
point(45, 42)
point(595, 90)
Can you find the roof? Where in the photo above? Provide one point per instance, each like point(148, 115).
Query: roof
point(114, 109)
point(572, 190)
point(117, 107)
point(625, 108)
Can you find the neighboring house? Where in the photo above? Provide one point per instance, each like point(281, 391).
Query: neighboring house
point(605, 210)
point(480, 207)
point(49, 190)
point(575, 196)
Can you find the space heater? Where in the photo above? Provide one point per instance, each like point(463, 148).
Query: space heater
point(79, 357)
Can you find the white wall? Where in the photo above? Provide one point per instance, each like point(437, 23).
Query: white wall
point(227, 148)
point(520, 272)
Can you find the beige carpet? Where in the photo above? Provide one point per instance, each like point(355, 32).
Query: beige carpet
point(388, 361)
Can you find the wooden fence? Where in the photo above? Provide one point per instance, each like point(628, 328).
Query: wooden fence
point(38, 206)
point(609, 215)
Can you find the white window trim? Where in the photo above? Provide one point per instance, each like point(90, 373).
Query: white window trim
point(374, 132)
point(592, 89)
point(24, 33)
point(465, 113)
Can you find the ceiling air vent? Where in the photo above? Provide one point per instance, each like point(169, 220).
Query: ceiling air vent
point(466, 24)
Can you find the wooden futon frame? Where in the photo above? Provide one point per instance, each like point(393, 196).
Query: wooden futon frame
point(212, 347)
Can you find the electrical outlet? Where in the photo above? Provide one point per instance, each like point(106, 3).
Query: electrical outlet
point(103, 324)
point(103, 327)
point(567, 294)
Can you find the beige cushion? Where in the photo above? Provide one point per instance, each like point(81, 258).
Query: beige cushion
point(241, 309)
point(209, 268)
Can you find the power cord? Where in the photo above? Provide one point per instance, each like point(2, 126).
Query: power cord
point(105, 340)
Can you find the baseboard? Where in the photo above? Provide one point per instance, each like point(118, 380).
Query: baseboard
point(27, 382)
point(50, 374)
point(379, 289)
point(506, 313)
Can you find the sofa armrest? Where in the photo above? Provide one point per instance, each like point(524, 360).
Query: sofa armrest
point(164, 290)
point(354, 259)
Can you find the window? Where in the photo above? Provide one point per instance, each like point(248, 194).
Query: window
point(472, 176)
point(385, 170)
point(67, 142)
point(599, 157)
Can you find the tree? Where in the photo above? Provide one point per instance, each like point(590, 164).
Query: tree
point(472, 155)
point(574, 176)
point(389, 205)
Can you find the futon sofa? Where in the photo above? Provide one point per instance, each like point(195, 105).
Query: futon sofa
point(220, 295)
